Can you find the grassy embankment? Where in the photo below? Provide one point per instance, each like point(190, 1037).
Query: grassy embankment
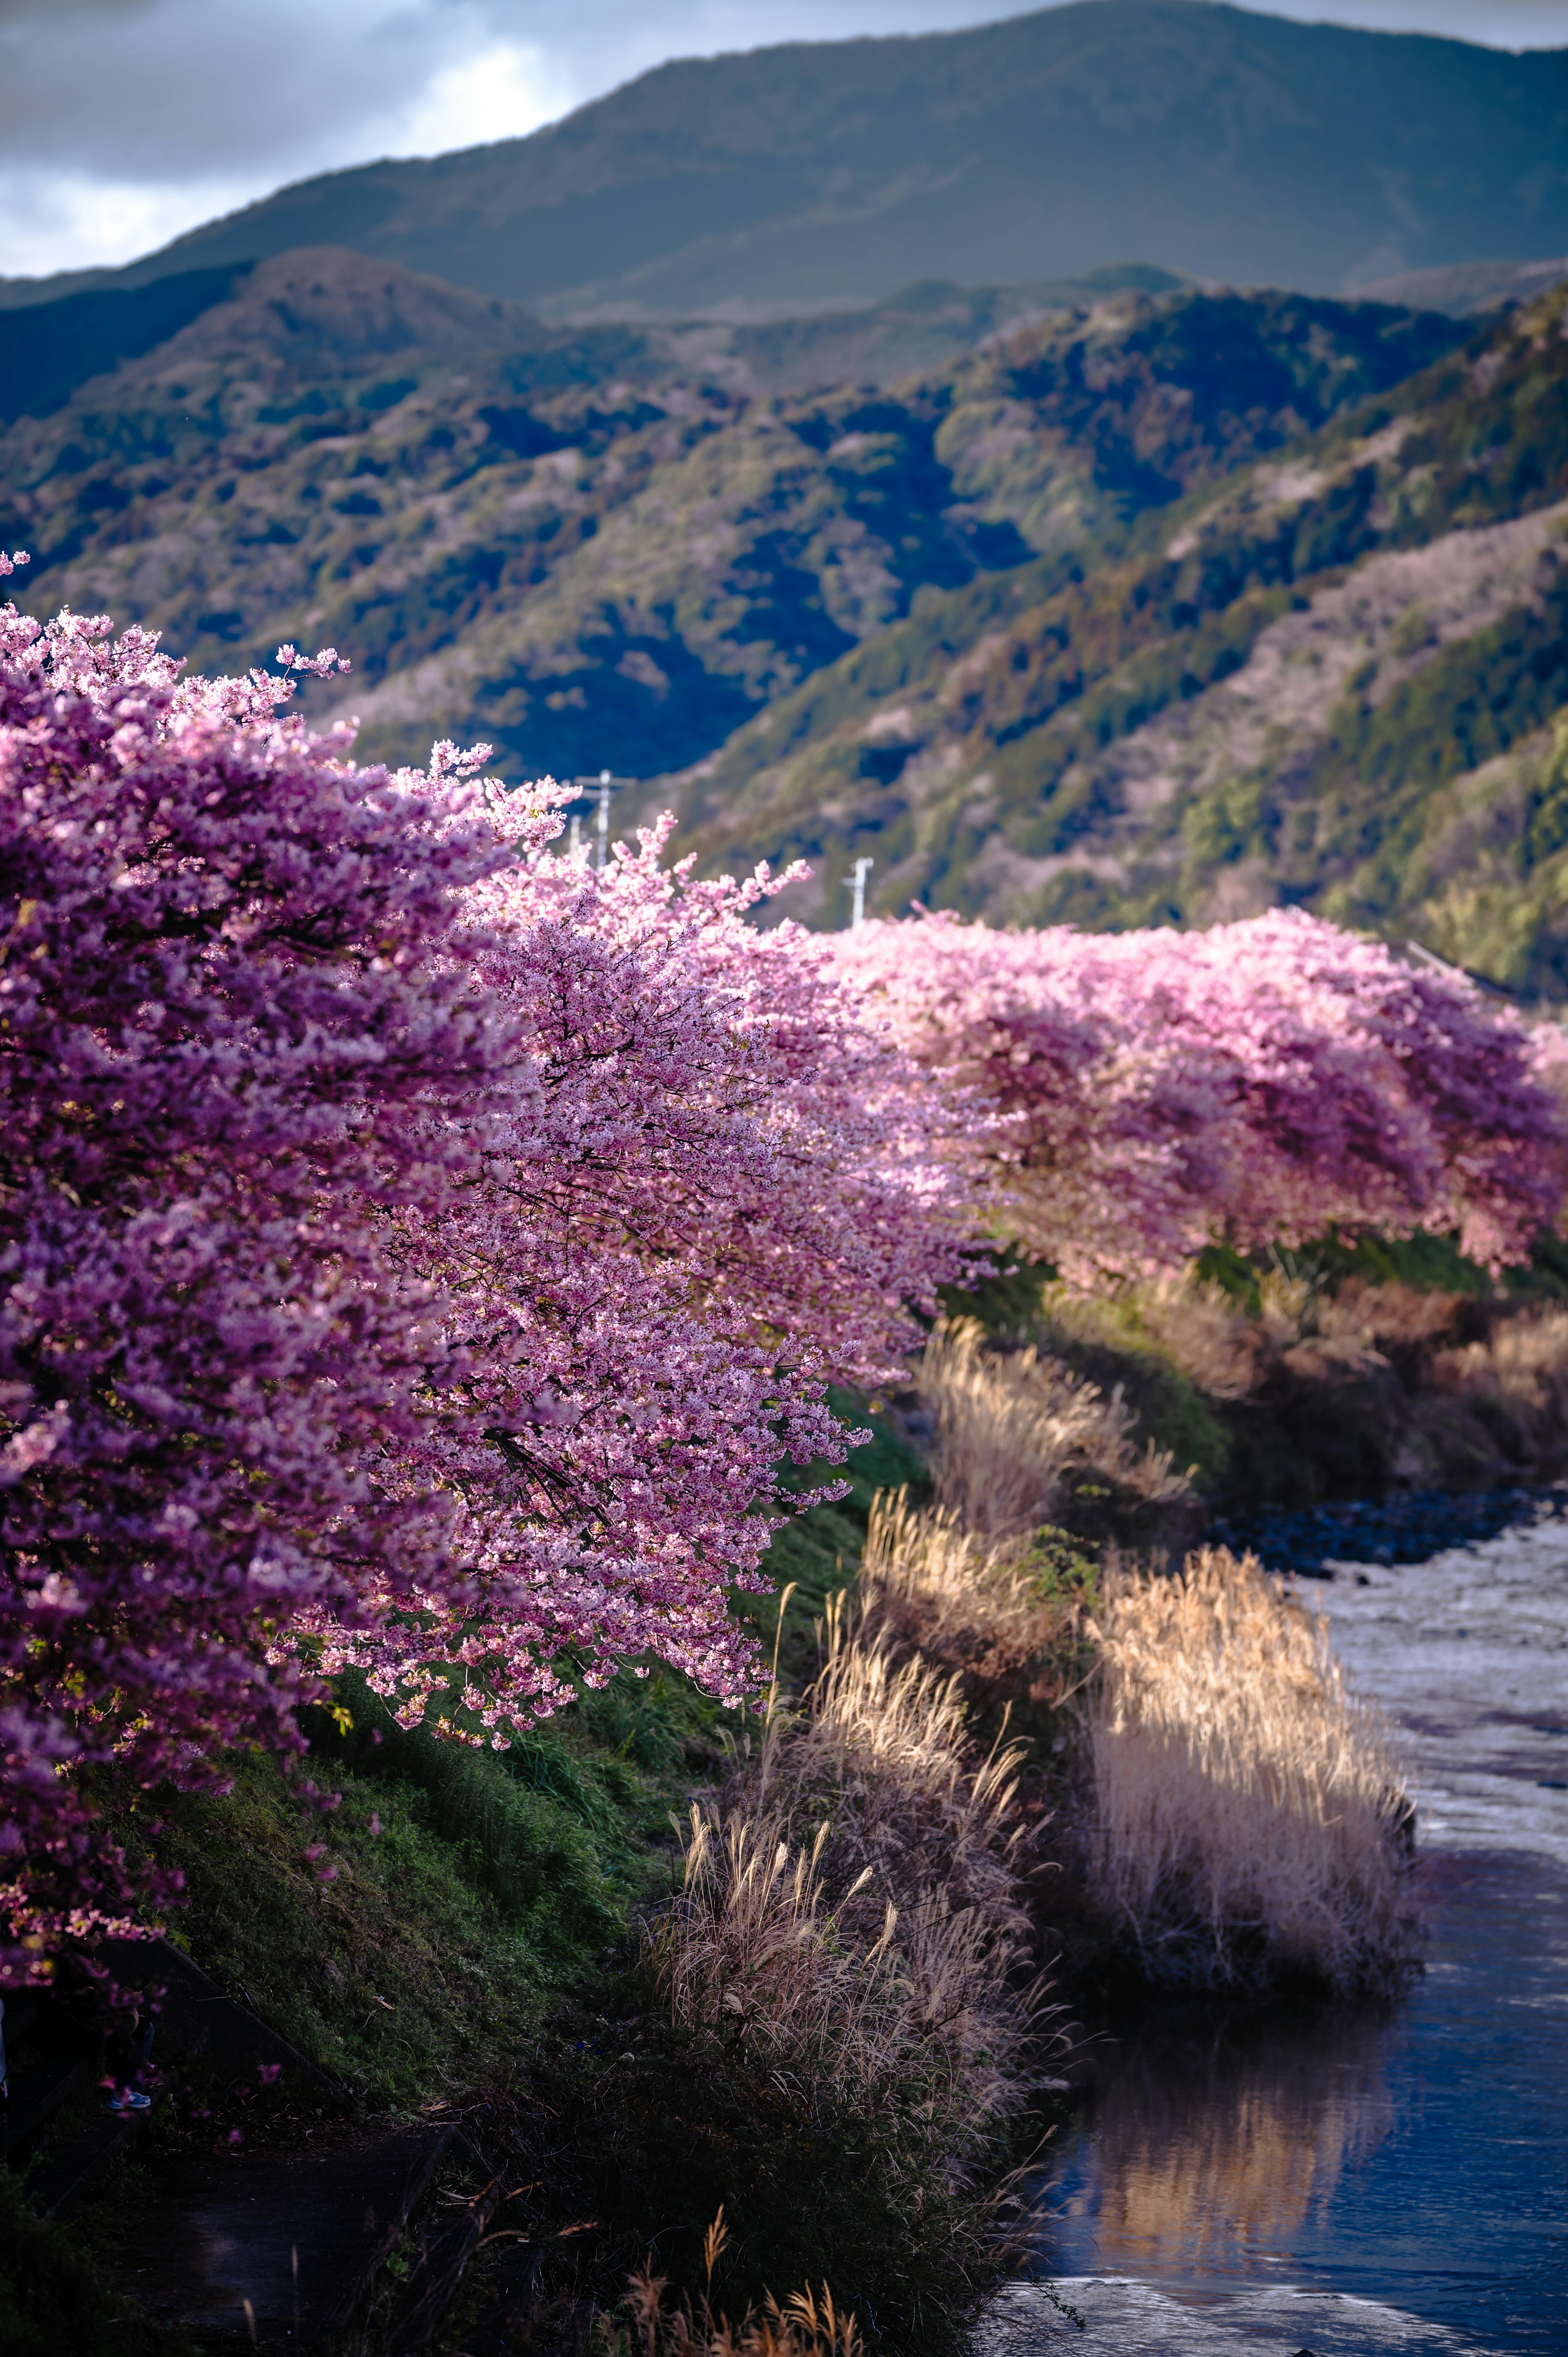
point(1020, 1749)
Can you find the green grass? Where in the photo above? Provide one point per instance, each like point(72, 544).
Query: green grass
point(430, 1955)
point(478, 1945)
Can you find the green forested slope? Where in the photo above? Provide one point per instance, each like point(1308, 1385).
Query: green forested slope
point(1170, 607)
point(1291, 687)
point(589, 547)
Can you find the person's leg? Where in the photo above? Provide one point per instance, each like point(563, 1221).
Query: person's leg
point(129, 2044)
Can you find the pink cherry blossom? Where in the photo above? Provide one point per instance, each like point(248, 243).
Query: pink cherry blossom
point(412, 1250)
point(1133, 1097)
point(706, 1188)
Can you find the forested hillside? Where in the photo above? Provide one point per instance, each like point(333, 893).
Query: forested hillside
point(596, 547)
point(1329, 680)
point(1166, 605)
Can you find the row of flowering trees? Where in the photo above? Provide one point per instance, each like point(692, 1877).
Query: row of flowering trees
point(418, 1252)
point(1136, 1096)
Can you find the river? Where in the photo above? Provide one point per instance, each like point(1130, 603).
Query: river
point(1358, 2181)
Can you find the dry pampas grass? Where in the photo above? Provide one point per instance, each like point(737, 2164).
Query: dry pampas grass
point(1008, 1427)
point(753, 1943)
point(853, 1914)
point(1249, 1812)
point(883, 1751)
point(806, 2326)
point(991, 1613)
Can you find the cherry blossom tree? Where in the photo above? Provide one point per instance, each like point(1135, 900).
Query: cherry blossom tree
point(230, 1023)
point(412, 1250)
point(1132, 1097)
point(708, 1188)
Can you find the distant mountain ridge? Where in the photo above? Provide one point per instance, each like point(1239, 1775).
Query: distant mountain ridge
point(1220, 145)
point(1466, 289)
point(50, 349)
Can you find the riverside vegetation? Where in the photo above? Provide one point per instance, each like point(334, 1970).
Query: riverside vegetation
point(604, 1498)
point(393, 1206)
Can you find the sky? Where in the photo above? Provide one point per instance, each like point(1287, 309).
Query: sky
point(124, 121)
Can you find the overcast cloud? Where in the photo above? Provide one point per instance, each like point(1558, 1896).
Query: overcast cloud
point(123, 121)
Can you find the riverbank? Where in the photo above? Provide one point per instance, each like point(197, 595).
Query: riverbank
point(477, 1959)
point(1363, 2180)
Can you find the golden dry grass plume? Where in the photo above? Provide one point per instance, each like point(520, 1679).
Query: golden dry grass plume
point(999, 1615)
point(807, 2325)
point(853, 1914)
point(1249, 1818)
point(1008, 1427)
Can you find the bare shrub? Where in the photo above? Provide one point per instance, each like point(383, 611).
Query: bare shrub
point(1513, 1385)
point(1247, 1809)
point(1007, 1428)
point(1229, 1351)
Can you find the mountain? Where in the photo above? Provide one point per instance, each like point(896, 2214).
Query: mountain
point(588, 546)
point(1466, 289)
point(1165, 607)
point(53, 348)
point(1220, 145)
point(1336, 677)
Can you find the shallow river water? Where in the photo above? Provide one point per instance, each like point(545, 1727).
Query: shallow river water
point(1379, 2180)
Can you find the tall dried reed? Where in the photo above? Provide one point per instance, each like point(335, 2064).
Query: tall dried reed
point(1008, 1427)
point(1247, 1809)
point(806, 2326)
point(989, 1612)
point(854, 1915)
point(752, 1942)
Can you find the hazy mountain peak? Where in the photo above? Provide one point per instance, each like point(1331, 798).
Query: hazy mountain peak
point(1226, 145)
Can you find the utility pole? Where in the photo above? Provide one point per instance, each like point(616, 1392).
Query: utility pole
point(600, 787)
point(856, 884)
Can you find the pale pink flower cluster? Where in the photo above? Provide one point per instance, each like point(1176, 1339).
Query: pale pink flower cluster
point(412, 1250)
point(1132, 1098)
